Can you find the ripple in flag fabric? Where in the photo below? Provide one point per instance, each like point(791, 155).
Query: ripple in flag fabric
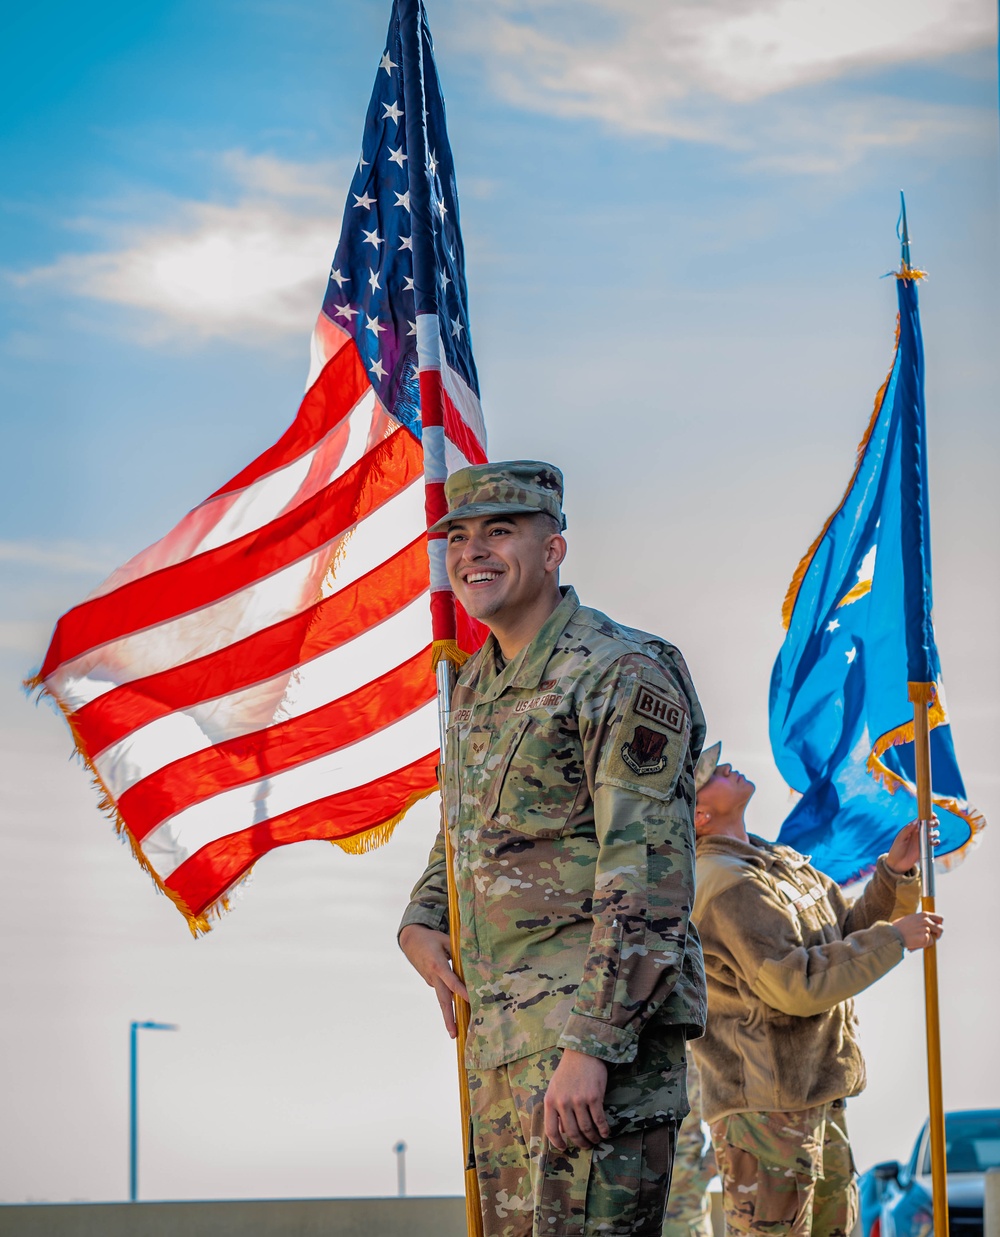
point(262, 675)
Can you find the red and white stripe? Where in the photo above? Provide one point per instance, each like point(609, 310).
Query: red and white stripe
point(262, 674)
point(452, 429)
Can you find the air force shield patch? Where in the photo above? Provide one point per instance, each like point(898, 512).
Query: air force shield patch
point(644, 754)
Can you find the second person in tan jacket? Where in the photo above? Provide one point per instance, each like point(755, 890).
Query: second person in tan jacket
point(785, 952)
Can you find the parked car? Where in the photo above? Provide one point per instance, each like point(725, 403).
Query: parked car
point(896, 1198)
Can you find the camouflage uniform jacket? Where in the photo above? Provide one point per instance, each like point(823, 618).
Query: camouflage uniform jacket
point(784, 953)
point(569, 790)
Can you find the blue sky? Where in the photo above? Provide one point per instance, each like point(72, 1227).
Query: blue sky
point(676, 217)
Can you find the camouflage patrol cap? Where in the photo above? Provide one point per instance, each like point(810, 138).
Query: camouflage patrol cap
point(512, 487)
point(708, 762)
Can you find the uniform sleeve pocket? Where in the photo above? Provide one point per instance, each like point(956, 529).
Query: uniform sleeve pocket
point(596, 995)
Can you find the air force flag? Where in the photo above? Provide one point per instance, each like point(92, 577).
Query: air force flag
point(859, 630)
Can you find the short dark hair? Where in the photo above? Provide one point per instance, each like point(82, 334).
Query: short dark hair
point(548, 522)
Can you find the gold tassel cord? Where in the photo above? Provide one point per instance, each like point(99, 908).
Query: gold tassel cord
point(448, 650)
point(791, 596)
point(378, 835)
point(336, 562)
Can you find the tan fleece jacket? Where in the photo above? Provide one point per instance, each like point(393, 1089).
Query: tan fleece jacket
point(784, 953)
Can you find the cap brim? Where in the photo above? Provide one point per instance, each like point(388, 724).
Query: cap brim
point(471, 510)
point(708, 762)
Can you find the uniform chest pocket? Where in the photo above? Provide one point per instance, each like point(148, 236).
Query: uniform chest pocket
point(538, 778)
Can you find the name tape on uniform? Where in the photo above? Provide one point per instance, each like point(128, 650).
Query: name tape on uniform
point(537, 702)
point(801, 898)
point(548, 701)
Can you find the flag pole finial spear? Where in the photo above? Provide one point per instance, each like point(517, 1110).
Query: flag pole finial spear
point(904, 233)
point(906, 269)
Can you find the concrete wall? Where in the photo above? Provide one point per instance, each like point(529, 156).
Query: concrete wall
point(312, 1217)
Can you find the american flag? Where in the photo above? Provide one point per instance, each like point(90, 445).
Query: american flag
point(263, 673)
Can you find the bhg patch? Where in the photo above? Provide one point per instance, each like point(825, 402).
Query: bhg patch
point(647, 750)
point(660, 708)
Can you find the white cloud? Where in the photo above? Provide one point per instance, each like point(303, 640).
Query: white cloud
point(320, 183)
point(830, 139)
point(245, 270)
point(681, 68)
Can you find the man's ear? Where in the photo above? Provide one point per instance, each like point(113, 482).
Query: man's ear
point(555, 551)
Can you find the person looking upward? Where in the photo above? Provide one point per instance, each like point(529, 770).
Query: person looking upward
point(785, 952)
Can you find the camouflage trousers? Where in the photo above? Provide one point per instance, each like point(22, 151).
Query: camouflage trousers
point(689, 1207)
point(790, 1174)
point(528, 1188)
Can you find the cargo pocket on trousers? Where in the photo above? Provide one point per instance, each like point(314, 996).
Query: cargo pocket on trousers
point(563, 1191)
point(781, 1200)
point(629, 1182)
point(643, 1101)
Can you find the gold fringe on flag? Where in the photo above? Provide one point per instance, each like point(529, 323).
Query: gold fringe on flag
point(800, 571)
point(340, 549)
point(892, 781)
point(198, 924)
point(861, 589)
point(378, 835)
point(336, 562)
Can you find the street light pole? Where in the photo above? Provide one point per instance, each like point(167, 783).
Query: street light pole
point(133, 1159)
point(400, 1150)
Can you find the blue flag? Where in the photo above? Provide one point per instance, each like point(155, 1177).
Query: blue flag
point(859, 630)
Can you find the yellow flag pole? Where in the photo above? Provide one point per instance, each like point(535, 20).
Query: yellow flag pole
point(413, 39)
point(921, 695)
point(473, 1208)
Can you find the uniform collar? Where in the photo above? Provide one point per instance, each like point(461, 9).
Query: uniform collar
point(525, 670)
